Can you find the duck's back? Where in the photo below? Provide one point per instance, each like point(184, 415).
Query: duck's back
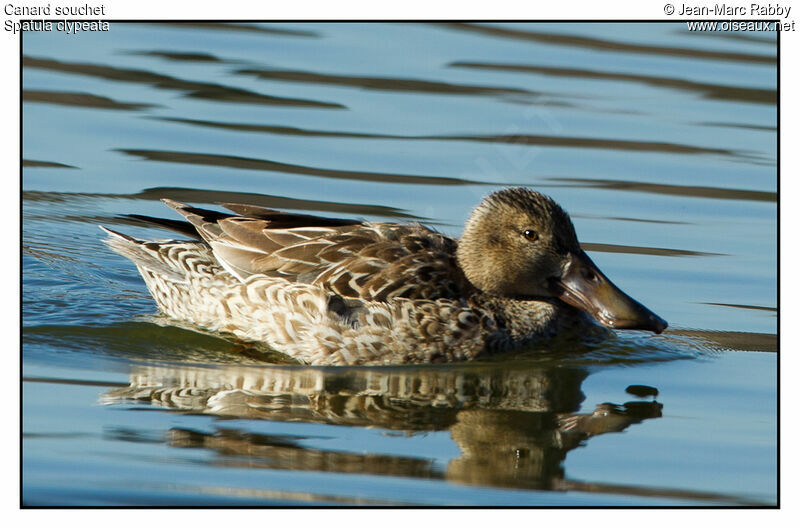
point(354, 259)
point(378, 262)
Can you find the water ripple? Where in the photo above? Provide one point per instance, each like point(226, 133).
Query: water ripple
point(78, 99)
point(519, 139)
point(668, 189)
point(707, 90)
point(556, 39)
point(195, 89)
point(256, 164)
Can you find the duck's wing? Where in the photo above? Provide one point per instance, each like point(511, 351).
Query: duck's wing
point(374, 261)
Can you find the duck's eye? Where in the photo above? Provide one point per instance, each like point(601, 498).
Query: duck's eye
point(531, 235)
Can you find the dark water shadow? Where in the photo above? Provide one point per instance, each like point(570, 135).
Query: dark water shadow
point(180, 56)
point(593, 143)
point(244, 28)
point(645, 250)
point(667, 189)
point(79, 99)
point(193, 89)
point(41, 163)
point(256, 164)
point(748, 126)
point(210, 196)
point(748, 307)
point(557, 39)
point(632, 219)
point(530, 140)
point(390, 84)
point(706, 90)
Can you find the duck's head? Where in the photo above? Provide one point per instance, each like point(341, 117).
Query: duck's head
point(520, 243)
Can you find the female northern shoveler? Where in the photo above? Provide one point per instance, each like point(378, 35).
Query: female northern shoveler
point(336, 291)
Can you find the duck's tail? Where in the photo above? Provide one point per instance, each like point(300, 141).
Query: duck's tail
point(151, 256)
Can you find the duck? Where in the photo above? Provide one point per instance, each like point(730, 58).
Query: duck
point(330, 291)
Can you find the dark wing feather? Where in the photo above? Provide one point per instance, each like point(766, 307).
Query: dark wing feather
point(180, 226)
point(282, 219)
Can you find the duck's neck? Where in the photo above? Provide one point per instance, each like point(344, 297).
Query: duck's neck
point(526, 319)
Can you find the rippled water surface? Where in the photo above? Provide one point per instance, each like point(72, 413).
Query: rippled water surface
point(662, 145)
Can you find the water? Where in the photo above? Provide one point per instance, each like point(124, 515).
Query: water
point(662, 144)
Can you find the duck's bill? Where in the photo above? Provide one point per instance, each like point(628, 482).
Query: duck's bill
point(584, 286)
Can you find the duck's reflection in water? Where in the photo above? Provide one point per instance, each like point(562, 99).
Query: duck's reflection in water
point(513, 424)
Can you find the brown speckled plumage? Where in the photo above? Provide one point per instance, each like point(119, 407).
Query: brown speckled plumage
point(330, 291)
